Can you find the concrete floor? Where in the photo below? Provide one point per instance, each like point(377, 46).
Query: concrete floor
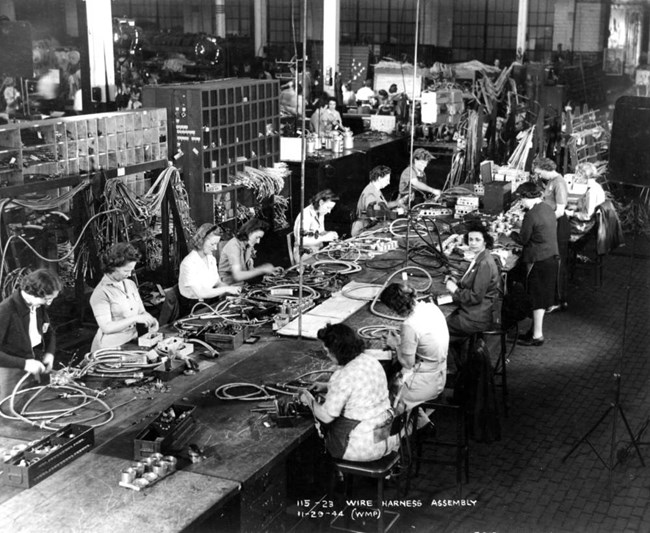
point(557, 393)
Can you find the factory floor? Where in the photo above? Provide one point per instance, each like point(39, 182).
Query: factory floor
point(558, 392)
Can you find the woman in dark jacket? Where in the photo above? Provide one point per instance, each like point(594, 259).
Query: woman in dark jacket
point(478, 289)
point(27, 341)
point(540, 257)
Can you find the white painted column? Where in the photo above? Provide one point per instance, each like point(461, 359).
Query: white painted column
point(331, 34)
point(261, 33)
point(522, 27)
point(220, 18)
point(100, 47)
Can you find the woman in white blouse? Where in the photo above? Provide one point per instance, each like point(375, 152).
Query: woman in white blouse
point(115, 302)
point(314, 235)
point(199, 276)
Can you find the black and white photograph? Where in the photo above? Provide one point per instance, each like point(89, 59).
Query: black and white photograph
point(308, 266)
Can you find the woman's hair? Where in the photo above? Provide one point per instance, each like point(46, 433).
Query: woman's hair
point(422, 154)
point(254, 224)
point(118, 255)
point(202, 234)
point(342, 342)
point(586, 170)
point(382, 93)
point(41, 283)
point(529, 189)
point(379, 172)
point(399, 298)
point(544, 163)
point(479, 228)
point(324, 195)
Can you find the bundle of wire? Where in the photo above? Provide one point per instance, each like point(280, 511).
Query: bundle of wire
point(55, 418)
point(251, 392)
point(116, 363)
point(232, 310)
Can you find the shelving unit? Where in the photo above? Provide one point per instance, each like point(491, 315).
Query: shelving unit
point(215, 129)
point(54, 153)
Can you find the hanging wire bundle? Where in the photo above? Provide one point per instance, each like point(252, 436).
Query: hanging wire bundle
point(264, 182)
point(48, 203)
point(280, 206)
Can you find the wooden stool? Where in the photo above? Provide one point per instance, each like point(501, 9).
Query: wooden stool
point(500, 368)
point(378, 470)
point(460, 443)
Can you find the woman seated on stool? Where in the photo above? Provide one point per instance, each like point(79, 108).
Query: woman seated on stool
point(198, 277)
point(582, 219)
point(357, 410)
point(313, 225)
point(372, 196)
point(27, 342)
point(115, 302)
point(236, 260)
point(421, 346)
point(477, 290)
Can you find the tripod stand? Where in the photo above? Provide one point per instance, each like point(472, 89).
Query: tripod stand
point(615, 407)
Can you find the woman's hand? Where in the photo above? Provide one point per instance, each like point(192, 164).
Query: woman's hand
point(329, 236)
point(34, 367)
point(234, 290)
point(266, 268)
point(318, 386)
point(451, 286)
point(48, 362)
point(307, 398)
point(147, 320)
point(393, 340)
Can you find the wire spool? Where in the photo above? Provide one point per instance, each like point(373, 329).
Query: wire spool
point(283, 292)
point(348, 267)
point(376, 332)
point(249, 392)
point(49, 418)
point(353, 292)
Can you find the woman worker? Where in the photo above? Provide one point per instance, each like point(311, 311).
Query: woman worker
point(115, 302)
point(476, 292)
point(556, 194)
point(582, 219)
point(478, 289)
point(414, 175)
point(356, 409)
point(236, 260)
point(538, 237)
point(198, 277)
point(372, 196)
point(421, 347)
point(27, 341)
point(313, 223)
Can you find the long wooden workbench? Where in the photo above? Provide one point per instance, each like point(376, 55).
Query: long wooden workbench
point(242, 480)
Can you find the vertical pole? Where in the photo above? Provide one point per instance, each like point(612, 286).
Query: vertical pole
point(220, 18)
point(261, 33)
point(331, 34)
point(412, 118)
point(522, 28)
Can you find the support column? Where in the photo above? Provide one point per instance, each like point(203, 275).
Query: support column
point(331, 34)
point(522, 28)
point(96, 31)
point(261, 33)
point(220, 18)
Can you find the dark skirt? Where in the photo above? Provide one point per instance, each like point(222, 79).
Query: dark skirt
point(541, 283)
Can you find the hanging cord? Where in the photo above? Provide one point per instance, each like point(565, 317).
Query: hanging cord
point(47, 259)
